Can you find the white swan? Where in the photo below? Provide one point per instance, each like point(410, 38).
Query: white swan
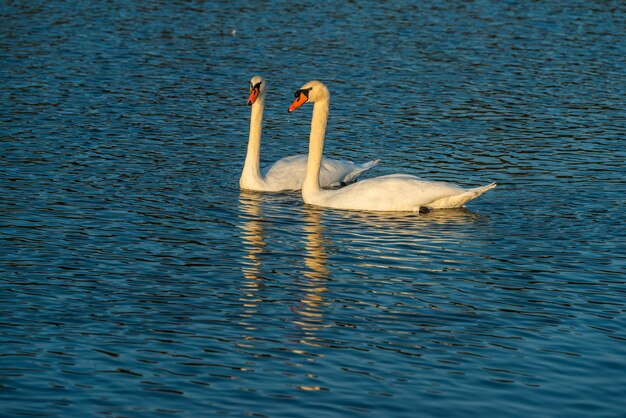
point(395, 192)
point(286, 173)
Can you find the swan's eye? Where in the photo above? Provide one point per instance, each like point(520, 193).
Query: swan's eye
point(256, 87)
point(303, 91)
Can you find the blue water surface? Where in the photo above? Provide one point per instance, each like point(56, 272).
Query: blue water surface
point(136, 279)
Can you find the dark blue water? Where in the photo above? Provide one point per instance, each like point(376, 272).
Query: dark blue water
point(137, 280)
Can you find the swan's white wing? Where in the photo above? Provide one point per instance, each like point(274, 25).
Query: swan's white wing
point(396, 192)
point(288, 173)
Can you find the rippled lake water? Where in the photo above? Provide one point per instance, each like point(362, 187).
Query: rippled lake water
point(136, 279)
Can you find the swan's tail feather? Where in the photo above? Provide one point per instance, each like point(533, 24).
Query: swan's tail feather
point(482, 189)
point(459, 200)
point(361, 168)
point(356, 172)
point(366, 166)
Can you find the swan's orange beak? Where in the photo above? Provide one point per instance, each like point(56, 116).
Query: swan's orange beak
point(254, 94)
point(300, 100)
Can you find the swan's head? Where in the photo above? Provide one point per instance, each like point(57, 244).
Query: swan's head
point(257, 89)
point(313, 91)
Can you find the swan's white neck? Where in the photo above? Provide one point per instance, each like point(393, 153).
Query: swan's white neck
point(311, 184)
point(251, 173)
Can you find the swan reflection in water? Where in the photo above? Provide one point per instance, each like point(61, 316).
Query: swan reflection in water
point(311, 283)
point(404, 240)
point(369, 241)
point(406, 223)
point(253, 237)
point(315, 277)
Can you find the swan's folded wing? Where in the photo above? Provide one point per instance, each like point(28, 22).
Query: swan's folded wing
point(287, 173)
point(396, 192)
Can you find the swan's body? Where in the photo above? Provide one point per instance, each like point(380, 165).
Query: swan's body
point(287, 173)
point(395, 192)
